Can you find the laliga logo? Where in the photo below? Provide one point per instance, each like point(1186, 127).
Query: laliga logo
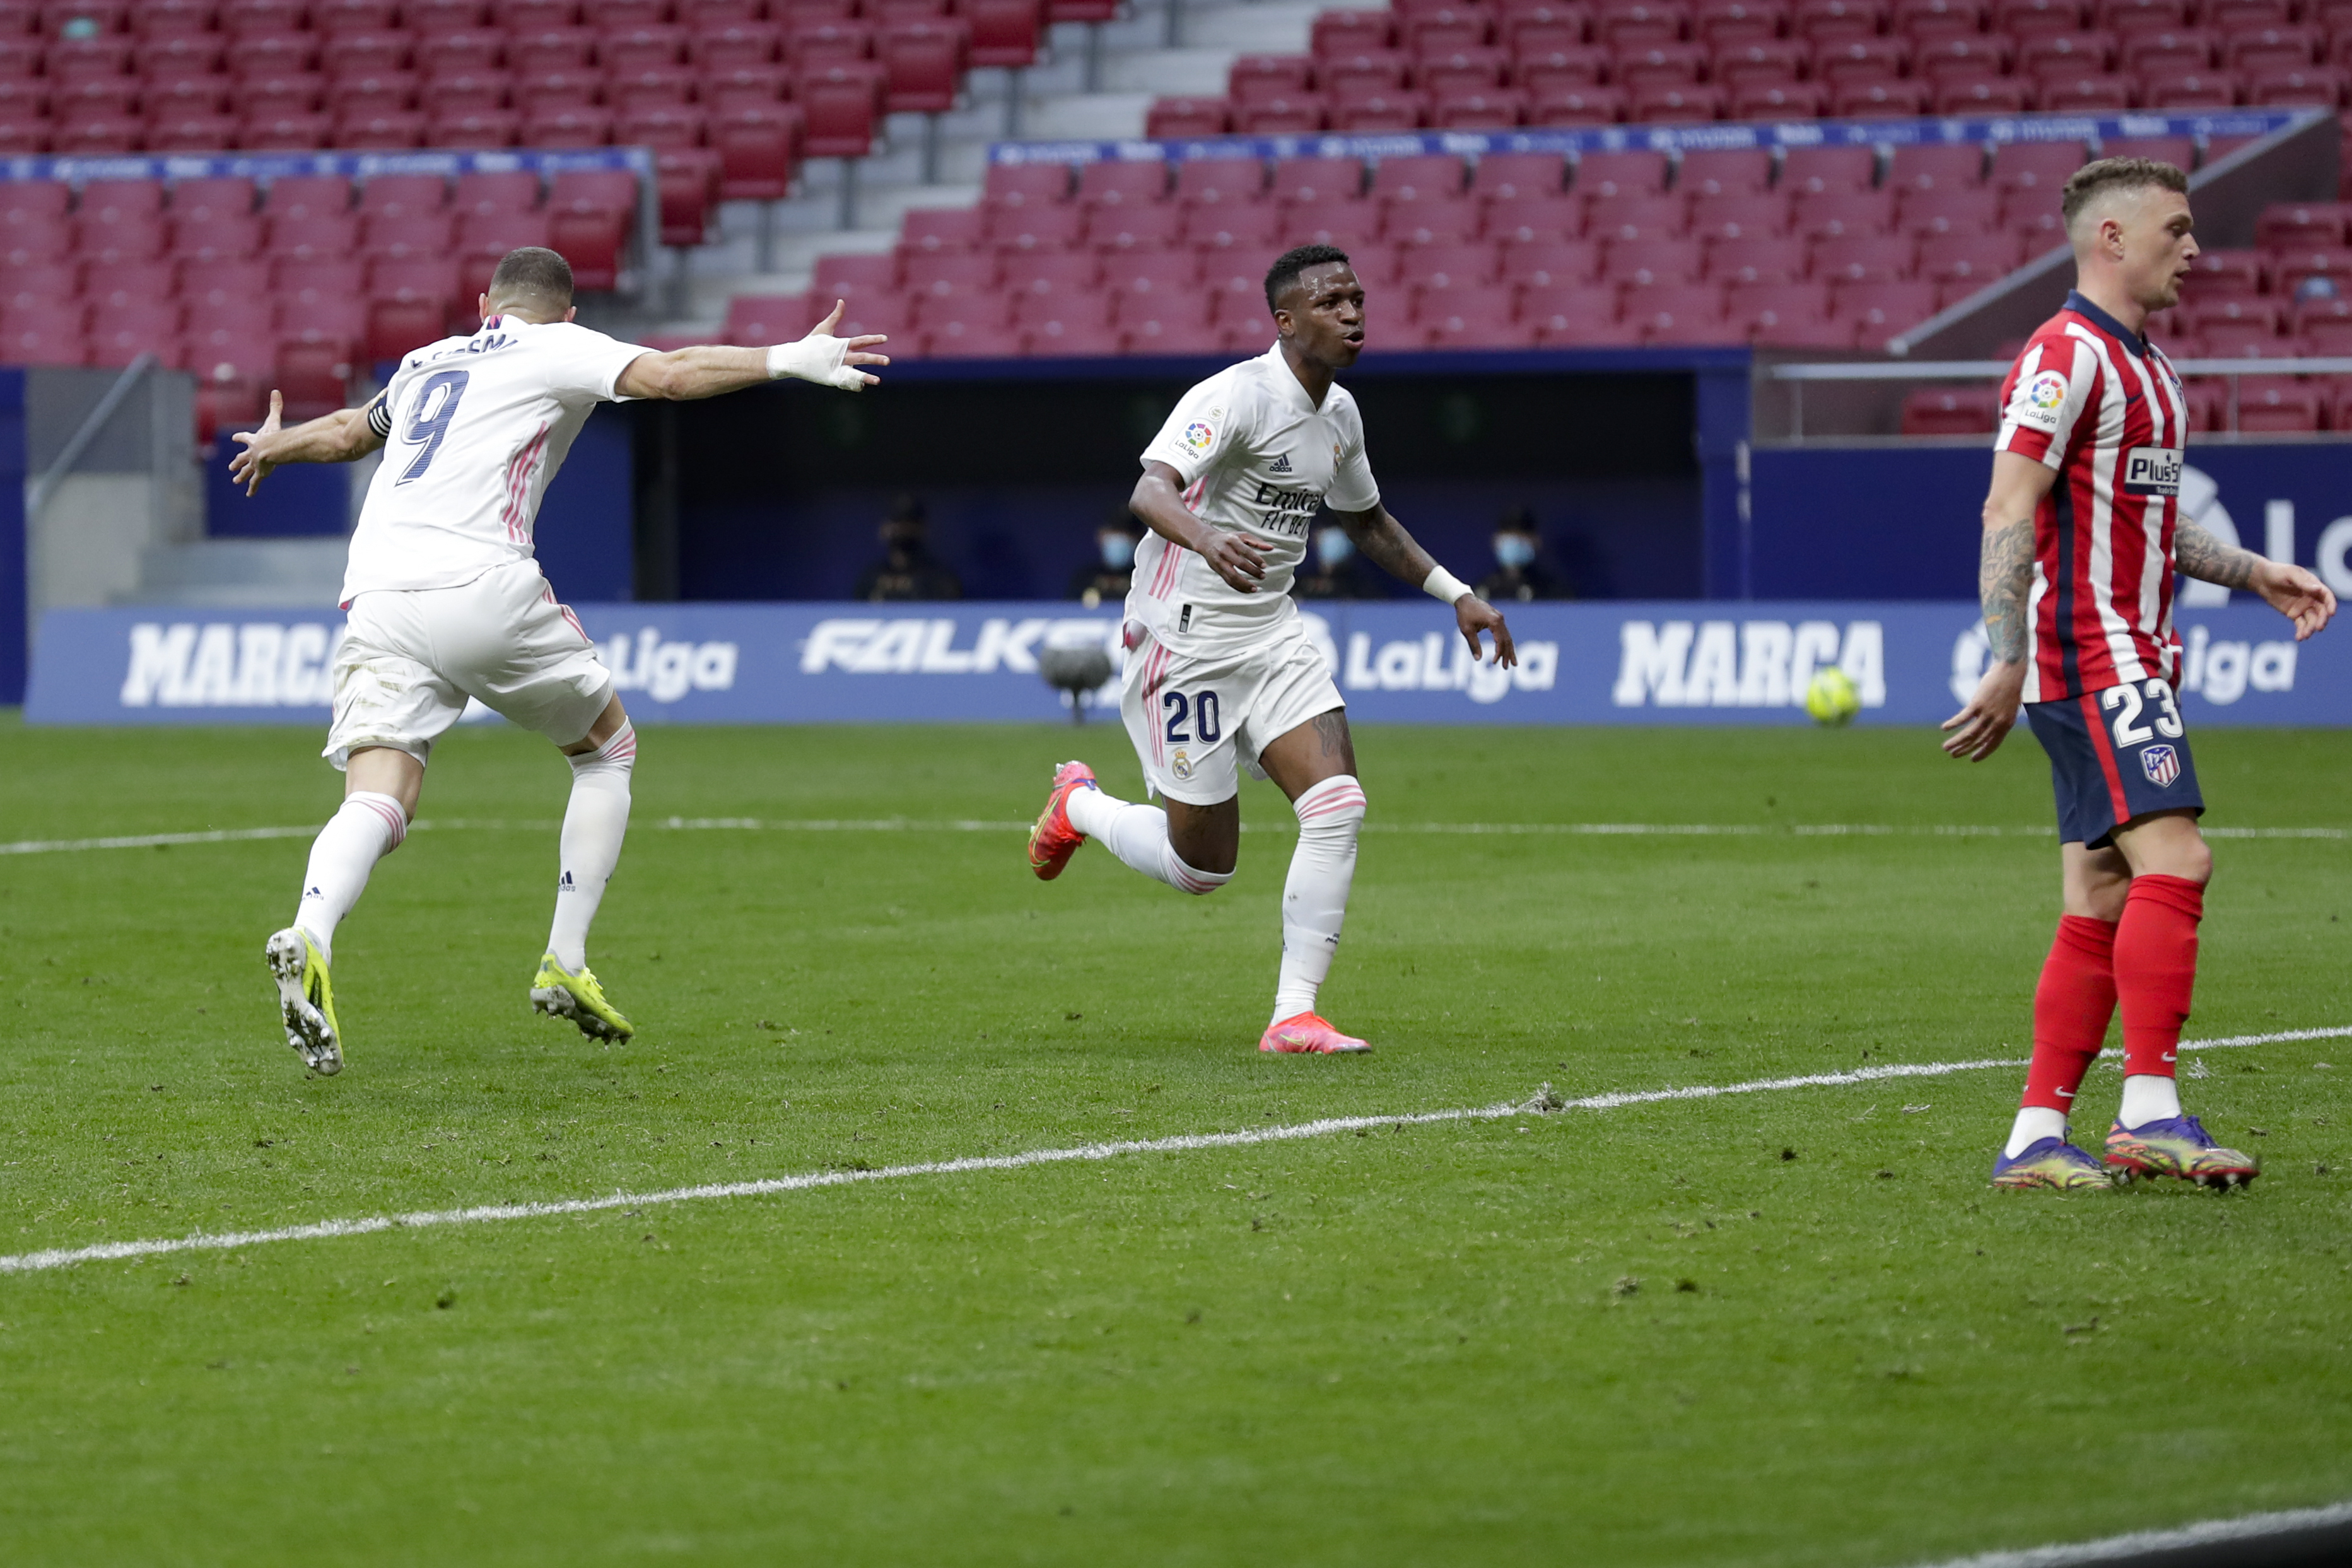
point(665, 671)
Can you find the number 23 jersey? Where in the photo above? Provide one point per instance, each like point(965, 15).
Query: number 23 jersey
point(474, 430)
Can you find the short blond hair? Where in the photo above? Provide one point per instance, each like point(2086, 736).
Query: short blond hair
point(2097, 178)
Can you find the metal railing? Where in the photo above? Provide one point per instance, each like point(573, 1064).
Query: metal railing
point(1798, 375)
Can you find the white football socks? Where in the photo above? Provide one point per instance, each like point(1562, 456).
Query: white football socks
point(1139, 836)
point(2033, 1123)
point(593, 826)
point(2149, 1097)
point(1315, 897)
point(368, 827)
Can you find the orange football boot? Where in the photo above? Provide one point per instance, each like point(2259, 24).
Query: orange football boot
point(1052, 841)
point(1310, 1034)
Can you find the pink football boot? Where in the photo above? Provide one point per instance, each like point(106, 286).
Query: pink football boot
point(1309, 1034)
point(1052, 841)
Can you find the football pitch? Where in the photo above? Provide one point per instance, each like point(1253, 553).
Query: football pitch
point(1790, 1325)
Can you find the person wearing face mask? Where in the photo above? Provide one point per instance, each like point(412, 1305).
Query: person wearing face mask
point(1106, 578)
point(1337, 570)
point(1517, 574)
point(907, 570)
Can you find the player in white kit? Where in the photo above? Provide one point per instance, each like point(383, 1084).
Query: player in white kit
point(1221, 674)
point(447, 601)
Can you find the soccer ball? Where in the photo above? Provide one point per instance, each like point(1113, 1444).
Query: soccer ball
point(1831, 698)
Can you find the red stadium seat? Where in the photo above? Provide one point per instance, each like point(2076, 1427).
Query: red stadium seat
point(504, 192)
point(1680, 313)
point(402, 236)
point(1764, 260)
point(1110, 182)
point(189, 132)
point(1761, 216)
point(1778, 101)
point(1283, 117)
point(35, 286)
point(2277, 405)
point(1054, 272)
point(1034, 229)
point(1492, 109)
point(1070, 336)
point(2300, 225)
point(1827, 214)
point(553, 125)
point(853, 278)
point(1418, 178)
point(1165, 272)
point(1526, 218)
point(1430, 222)
point(114, 285)
point(1946, 411)
point(1458, 264)
point(1020, 185)
point(1549, 263)
point(1004, 33)
point(941, 230)
point(1648, 261)
point(1565, 307)
point(1865, 258)
point(1510, 175)
point(1727, 171)
point(294, 132)
point(1577, 106)
point(1940, 169)
point(1135, 226)
point(1560, 69)
point(1620, 173)
point(1821, 170)
point(1206, 182)
point(1474, 318)
point(758, 149)
point(926, 62)
point(1759, 62)
point(1233, 226)
point(1316, 179)
point(1936, 213)
point(959, 339)
point(950, 272)
point(215, 284)
point(1636, 217)
point(1978, 258)
point(757, 319)
point(409, 304)
point(223, 238)
point(1352, 32)
point(1163, 325)
point(1177, 118)
point(1883, 310)
point(308, 235)
point(1339, 221)
point(747, 42)
point(841, 103)
point(2259, 315)
point(2084, 95)
point(1261, 79)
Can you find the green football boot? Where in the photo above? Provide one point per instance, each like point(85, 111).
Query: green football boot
point(306, 999)
point(560, 994)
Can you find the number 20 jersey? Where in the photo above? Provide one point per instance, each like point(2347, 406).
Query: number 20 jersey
point(474, 430)
point(2104, 407)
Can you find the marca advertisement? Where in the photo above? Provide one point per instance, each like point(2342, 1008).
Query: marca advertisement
point(1616, 663)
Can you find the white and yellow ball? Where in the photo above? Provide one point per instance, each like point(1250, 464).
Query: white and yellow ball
point(1831, 698)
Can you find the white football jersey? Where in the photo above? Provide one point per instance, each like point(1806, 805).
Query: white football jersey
point(1256, 458)
point(475, 429)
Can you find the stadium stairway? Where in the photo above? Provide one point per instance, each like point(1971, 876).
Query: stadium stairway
point(1094, 80)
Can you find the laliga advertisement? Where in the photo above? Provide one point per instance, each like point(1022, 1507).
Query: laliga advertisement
point(1617, 663)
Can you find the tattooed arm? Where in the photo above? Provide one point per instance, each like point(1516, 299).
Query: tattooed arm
point(2004, 587)
point(1388, 546)
point(2290, 590)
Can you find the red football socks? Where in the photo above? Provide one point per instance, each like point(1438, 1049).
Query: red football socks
point(2156, 968)
point(2071, 1009)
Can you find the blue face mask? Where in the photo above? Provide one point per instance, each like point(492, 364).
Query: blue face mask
point(1515, 549)
point(1332, 549)
point(1118, 552)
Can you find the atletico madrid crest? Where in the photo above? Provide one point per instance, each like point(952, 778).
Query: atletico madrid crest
point(2161, 764)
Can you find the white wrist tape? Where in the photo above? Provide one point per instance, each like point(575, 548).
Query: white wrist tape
point(1443, 585)
point(817, 357)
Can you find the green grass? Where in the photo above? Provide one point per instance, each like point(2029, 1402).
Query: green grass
point(1416, 1345)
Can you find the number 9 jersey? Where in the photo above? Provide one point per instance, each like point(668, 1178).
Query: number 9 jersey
point(474, 430)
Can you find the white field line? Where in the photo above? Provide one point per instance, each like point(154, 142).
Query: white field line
point(2211, 1533)
point(975, 824)
point(64, 1256)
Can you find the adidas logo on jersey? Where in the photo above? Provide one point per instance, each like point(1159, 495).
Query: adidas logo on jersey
point(1281, 464)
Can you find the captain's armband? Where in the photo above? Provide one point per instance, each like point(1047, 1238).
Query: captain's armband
point(379, 415)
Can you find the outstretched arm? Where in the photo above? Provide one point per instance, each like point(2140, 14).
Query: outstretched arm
point(344, 436)
point(1385, 543)
point(710, 370)
point(2293, 591)
point(2004, 585)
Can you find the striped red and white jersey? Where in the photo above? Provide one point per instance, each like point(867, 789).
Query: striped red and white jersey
point(2104, 407)
point(474, 429)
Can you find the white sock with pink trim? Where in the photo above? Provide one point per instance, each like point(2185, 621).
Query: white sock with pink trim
point(593, 826)
point(1139, 836)
point(368, 827)
point(1315, 898)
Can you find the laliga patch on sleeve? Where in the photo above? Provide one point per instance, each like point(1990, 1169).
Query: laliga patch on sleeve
point(2037, 402)
point(1200, 436)
point(2152, 471)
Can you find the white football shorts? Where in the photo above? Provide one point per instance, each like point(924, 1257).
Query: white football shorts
point(411, 658)
point(1196, 719)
